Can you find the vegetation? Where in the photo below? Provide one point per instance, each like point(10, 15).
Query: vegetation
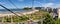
point(48, 20)
point(57, 21)
point(26, 8)
point(16, 19)
point(35, 16)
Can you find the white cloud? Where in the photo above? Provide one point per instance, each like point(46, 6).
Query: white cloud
point(38, 3)
point(2, 3)
point(53, 5)
point(48, 4)
point(20, 0)
point(57, 5)
point(26, 6)
point(44, 4)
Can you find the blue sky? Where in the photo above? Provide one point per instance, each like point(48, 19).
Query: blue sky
point(28, 3)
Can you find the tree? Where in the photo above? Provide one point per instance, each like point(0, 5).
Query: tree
point(27, 8)
point(57, 21)
point(48, 20)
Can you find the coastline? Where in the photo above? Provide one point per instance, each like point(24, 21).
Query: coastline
point(10, 14)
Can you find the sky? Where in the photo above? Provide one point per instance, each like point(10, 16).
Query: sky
point(28, 3)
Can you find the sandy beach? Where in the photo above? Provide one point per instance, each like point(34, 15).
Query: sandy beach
point(10, 14)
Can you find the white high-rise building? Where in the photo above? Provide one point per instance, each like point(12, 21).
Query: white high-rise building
point(58, 12)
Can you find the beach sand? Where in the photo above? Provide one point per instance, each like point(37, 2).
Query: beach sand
point(10, 14)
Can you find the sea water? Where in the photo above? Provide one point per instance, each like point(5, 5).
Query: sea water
point(3, 11)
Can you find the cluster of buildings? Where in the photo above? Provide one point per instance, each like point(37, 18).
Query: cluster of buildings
point(54, 12)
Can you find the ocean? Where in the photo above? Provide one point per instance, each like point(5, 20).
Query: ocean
point(3, 11)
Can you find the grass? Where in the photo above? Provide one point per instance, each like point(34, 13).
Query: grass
point(34, 16)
